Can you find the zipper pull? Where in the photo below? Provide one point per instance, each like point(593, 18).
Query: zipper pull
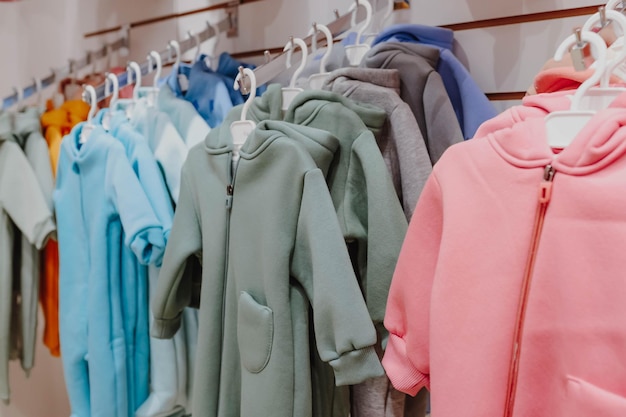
point(229, 196)
point(545, 191)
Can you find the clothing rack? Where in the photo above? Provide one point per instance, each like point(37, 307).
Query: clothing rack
point(72, 67)
point(226, 25)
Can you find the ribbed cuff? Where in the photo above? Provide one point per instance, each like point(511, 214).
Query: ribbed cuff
point(148, 245)
point(401, 372)
point(356, 366)
point(165, 328)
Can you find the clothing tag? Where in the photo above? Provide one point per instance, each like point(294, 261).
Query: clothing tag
point(183, 81)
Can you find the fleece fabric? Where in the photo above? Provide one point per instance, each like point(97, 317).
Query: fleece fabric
point(400, 141)
point(23, 206)
point(56, 123)
point(252, 369)
point(205, 89)
point(167, 145)
point(368, 209)
point(24, 129)
point(408, 163)
point(187, 121)
point(375, 227)
point(422, 89)
point(465, 237)
point(470, 104)
point(171, 383)
point(135, 282)
point(99, 200)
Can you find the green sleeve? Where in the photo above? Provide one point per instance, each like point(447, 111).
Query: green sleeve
point(320, 263)
point(174, 288)
point(374, 212)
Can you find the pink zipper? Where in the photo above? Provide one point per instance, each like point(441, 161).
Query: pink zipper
point(545, 194)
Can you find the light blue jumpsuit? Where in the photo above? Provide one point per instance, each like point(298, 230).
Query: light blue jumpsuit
point(98, 200)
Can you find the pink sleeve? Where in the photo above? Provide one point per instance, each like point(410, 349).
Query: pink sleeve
point(407, 317)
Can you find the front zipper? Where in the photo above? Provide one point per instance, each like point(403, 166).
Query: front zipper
point(230, 189)
point(545, 195)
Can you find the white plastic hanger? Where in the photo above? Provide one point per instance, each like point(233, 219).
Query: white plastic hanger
point(134, 71)
point(241, 129)
point(618, 5)
point(317, 80)
point(563, 126)
point(289, 93)
point(210, 59)
point(379, 24)
point(598, 98)
point(38, 91)
point(89, 96)
point(174, 45)
point(112, 86)
point(183, 81)
point(356, 52)
point(150, 93)
point(19, 92)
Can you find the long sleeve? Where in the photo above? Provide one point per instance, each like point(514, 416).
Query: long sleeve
point(36, 151)
point(407, 357)
point(153, 184)
point(375, 218)
point(144, 234)
point(320, 263)
point(174, 288)
point(21, 196)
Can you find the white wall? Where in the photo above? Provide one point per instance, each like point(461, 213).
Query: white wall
point(38, 34)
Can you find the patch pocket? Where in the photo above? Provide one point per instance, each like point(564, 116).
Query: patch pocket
point(588, 400)
point(255, 333)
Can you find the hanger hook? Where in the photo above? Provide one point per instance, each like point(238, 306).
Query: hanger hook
point(239, 83)
point(599, 46)
point(313, 34)
point(618, 5)
point(388, 12)
point(112, 86)
point(136, 70)
point(38, 90)
point(91, 98)
point(154, 55)
point(368, 17)
point(174, 45)
point(329, 41)
point(290, 47)
point(19, 92)
point(620, 19)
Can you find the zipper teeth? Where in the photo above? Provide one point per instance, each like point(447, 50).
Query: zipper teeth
point(542, 207)
point(230, 188)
